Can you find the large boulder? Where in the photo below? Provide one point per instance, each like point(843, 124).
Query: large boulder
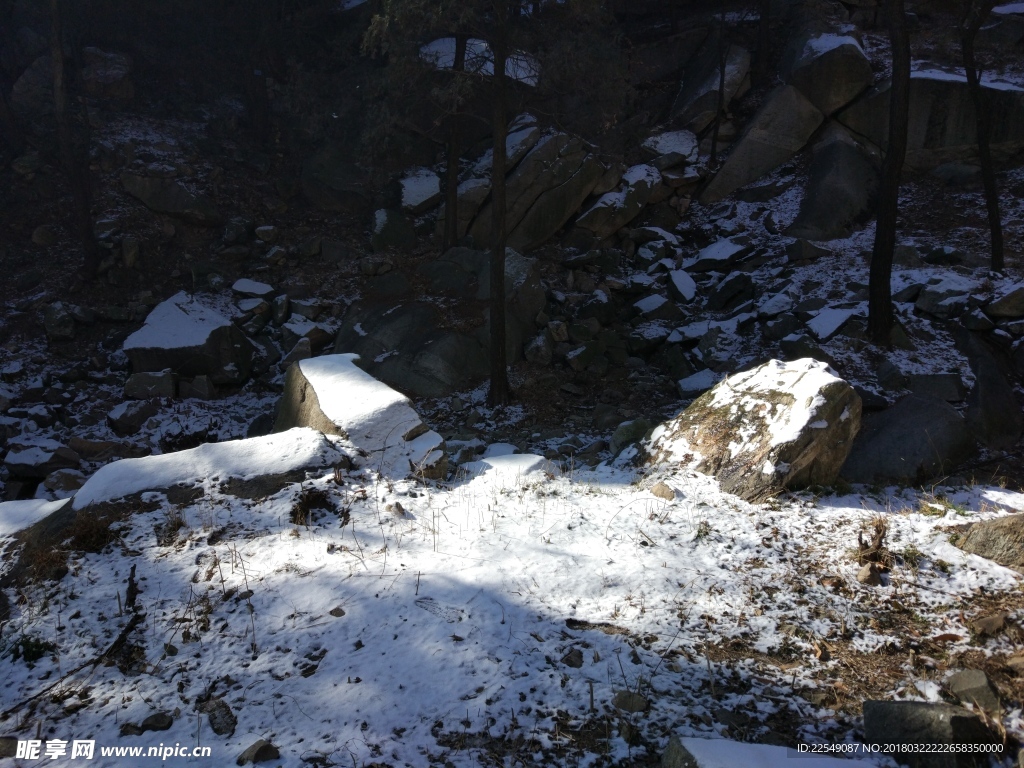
point(918, 438)
point(942, 125)
point(830, 70)
point(614, 210)
point(994, 416)
point(332, 395)
point(780, 425)
point(661, 59)
point(405, 347)
point(471, 196)
point(171, 197)
point(551, 163)
point(250, 468)
point(556, 206)
point(107, 75)
point(332, 181)
point(1000, 540)
point(841, 187)
point(912, 723)
point(697, 102)
point(191, 339)
point(697, 752)
point(777, 132)
point(32, 93)
point(36, 457)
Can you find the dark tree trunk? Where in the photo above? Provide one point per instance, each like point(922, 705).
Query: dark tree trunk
point(764, 41)
point(499, 390)
point(880, 314)
point(976, 13)
point(723, 57)
point(8, 126)
point(451, 178)
point(74, 165)
point(256, 74)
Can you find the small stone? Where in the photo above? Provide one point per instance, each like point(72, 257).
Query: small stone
point(989, 625)
point(870, 575)
point(573, 658)
point(44, 235)
point(158, 721)
point(972, 686)
point(662, 491)
point(267, 233)
point(1016, 664)
point(337, 612)
point(630, 701)
point(143, 386)
point(222, 719)
point(58, 322)
point(261, 751)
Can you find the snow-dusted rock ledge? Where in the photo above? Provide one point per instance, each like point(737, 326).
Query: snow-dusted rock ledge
point(332, 395)
point(780, 425)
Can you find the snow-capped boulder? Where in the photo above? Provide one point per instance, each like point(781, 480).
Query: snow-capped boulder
point(35, 457)
point(777, 132)
point(830, 70)
point(257, 466)
point(191, 339)
point(614, 210)
point(332, 395)
point(780, 425)
point(421, 190)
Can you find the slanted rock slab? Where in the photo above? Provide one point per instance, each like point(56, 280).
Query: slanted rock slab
point(1000, 540)
point(332, 395)
point(780, 425)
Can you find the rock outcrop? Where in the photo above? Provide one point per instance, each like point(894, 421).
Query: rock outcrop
point(780, 425)
point(333, 396)
point(191, 339)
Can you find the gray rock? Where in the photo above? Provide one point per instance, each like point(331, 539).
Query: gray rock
point(947, 298)
point(143, 386)
point(391, 230)
point(170, 197)
point(1000, 540)
point(107, 75)
point(976, 320)
point(268, 233)
point(394, 437)
point(697, 102)
point(843, 180)
point(331, 179)
point(731, 292)
point(782, 326)
point(540, 350)
point(127, 418)
point(222, 720)
point(776, 133)
point(200, 388)
point(918, 438)
point(918, 722)
point(994, 415)
point(870, 575)
point(36, 457)
point(190, 339)
point(627, 433)
point(942, 125)
point(797, 346)
point(556, 206)
point(943, 386)
point(614, 210)
point(719, 256)
point(829, 69)
point(656, 61)
point(1010, 304)
point(630, 701)
point(732, 429)
point(158, 721)
point(32, 93)
point(972, 686)
point(58, 322)
point(302, 350)
point(551, 163)
point(261, 751)
point(802, 250)
point(7, 399)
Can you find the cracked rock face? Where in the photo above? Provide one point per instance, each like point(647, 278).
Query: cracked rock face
point(780, 425)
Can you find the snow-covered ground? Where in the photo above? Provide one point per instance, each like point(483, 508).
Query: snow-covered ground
point(495, 616)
